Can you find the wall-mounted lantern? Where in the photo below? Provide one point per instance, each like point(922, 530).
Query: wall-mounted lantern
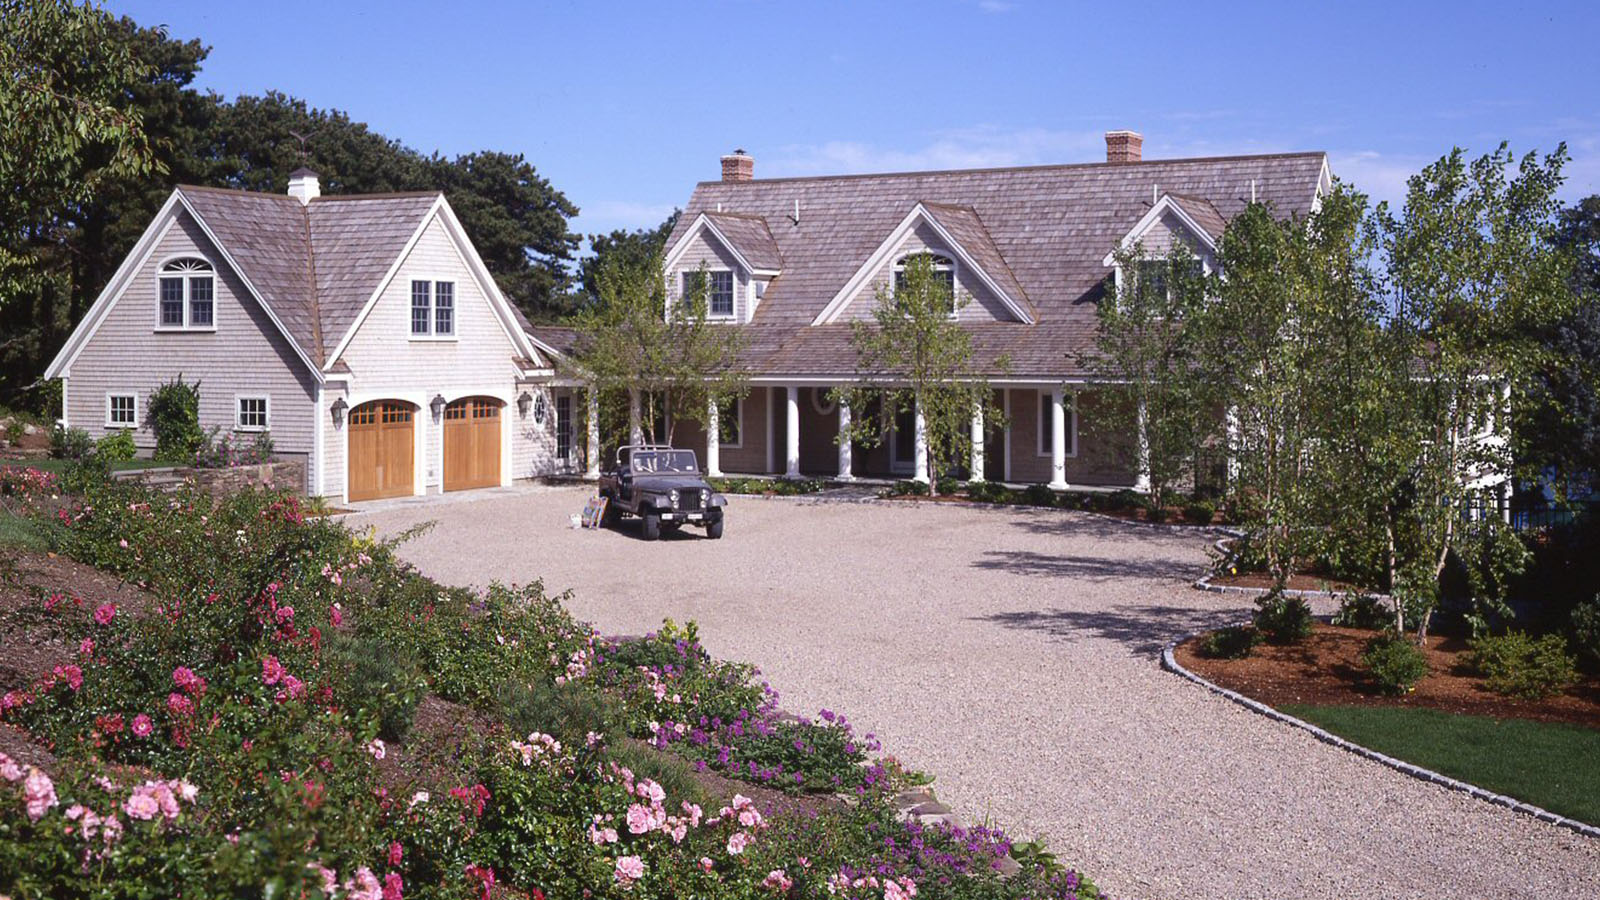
point(339, 407)
point(524, 401)
point(437, 405)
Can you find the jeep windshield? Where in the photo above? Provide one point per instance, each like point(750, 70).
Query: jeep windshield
point(663, 462)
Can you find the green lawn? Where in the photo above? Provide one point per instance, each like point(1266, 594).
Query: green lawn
point(19, 532)
point(1548, 765)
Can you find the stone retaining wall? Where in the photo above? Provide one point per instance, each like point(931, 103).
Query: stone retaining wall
point(281, 475)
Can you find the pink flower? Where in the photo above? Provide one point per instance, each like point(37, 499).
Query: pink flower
point(378, 750)
point(9, 770)
point(396, 853)
point(285, 615)
point(393, 886)
point(141, 806)
point(105, 612)
point(778, 881)
point(293, 689)
point(706, 864)
point(179, 704)
point(330, 879)
point(364, 886)
point(142, 726)
point(71, 674)
point(123, 543)
point(336, 613)
point(271, 671)
point(39, 793)
point(899, 889)
point(639, 819)
point(86, 647)
point(185, 678)
point(737, 842)
point(629, 869)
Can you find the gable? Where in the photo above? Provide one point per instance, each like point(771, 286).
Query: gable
point(701, 247)
point(981, 303)
point(381, 351)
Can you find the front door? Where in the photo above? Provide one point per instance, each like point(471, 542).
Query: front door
point(903, 443)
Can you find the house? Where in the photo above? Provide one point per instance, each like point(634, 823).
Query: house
point(362, 332)
point(793, 261)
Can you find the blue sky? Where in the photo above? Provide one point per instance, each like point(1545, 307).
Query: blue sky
point(624, 106)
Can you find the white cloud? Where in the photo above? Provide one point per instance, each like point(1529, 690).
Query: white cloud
point(996, 6)
point(1380, 176)
point(969, 148)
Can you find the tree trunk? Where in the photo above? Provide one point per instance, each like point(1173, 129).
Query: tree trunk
point(1394, 594)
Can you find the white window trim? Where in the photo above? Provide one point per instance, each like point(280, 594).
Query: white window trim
point(188, 310)
point(238, 413)
point(433, 311)
point(738, 417)
point(118, 426)
point(899, 266)
point(731, 316)
point(1042, 427)
point(820, 404)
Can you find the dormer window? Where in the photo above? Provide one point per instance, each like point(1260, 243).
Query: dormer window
point(718, 286)
point(944, 269)
point(433, 309)
point(186, 292)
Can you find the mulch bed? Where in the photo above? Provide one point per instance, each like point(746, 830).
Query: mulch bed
point(1326, 670)
point(1299, 581)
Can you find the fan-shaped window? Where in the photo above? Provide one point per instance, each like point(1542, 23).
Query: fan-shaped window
point(944, 272)
point(187, 295)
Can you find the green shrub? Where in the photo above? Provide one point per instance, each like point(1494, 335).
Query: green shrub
point(15, 430)
point(909, 489)
point(175, 418)
point(1586, 632)
point(383, 678)
point(70, 443)
point(1128, 499)
point(989, 492)
point(948, 485)
point(570, 711)
point(1394, 663)
point(1281, 618)
point(1363, 611)
point(1039, 495)
point(1521, 666)
point(117, 446)
point(1156, 514)
point(1200, 512)
point(1233, 642)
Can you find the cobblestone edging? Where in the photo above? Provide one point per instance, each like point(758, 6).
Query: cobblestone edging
point(1203, 583)
point(1171, 664)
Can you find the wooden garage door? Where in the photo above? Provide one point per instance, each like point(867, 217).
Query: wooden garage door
point(381, 450)
point(472, 443)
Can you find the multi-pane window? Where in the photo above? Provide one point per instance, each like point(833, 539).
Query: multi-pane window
point(944, 274)
point(186, 295)
point(252, 415)
point(564, 427)
point(1047, 423)
point(433, 308)
point(421, 306)
point(122, 410)
point(718, 287)
point(444, 308)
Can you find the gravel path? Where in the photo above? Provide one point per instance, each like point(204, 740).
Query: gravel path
point(1014, 654)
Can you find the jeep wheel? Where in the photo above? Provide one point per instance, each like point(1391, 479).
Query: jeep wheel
point(651, 529)
point(714, 529)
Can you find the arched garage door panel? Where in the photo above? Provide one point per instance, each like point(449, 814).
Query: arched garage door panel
point(382, 458)
point(472, 443)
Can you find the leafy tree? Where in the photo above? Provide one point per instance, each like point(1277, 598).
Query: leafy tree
point(1559, 437)
point(1475, 269)
point(913, 357)
point(65, 81)
point(1144, 341)
point(632, 247)
point(637, 341)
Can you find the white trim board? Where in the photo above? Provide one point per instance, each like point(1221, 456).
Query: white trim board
point(704, 221)
point(1148, 220)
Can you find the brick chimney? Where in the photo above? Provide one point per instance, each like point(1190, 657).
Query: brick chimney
point(304, 185)
point(1124, 146)
point(738, 166)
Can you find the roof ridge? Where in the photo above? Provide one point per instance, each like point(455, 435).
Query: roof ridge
point(311, 274)
point(1031, 168)
point(718, 212)
point(237, 191)
point(381, 195)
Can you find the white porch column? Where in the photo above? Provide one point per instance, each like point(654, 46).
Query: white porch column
point(591, 467)
point(846, 465)
point(977, 444)
point(791, 433)
point(713, 439)
point(635, 431)
point(921, 445)
point(1142, 480)
point(1058, 440)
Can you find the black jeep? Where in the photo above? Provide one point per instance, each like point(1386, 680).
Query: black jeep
point(664, 488)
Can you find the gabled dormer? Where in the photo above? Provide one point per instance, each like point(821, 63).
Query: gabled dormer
point(983, 285)
point(736, 254)
point(1175, 219)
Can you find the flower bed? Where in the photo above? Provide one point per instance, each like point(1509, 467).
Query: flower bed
point(251, 726)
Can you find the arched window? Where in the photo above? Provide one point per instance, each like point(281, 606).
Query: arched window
point(187, 295)
point(944, 269)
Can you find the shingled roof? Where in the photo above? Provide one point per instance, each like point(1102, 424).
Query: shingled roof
point(313, 265)
point(1046, 229)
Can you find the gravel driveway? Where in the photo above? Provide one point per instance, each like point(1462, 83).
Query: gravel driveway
point(1014, 654)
